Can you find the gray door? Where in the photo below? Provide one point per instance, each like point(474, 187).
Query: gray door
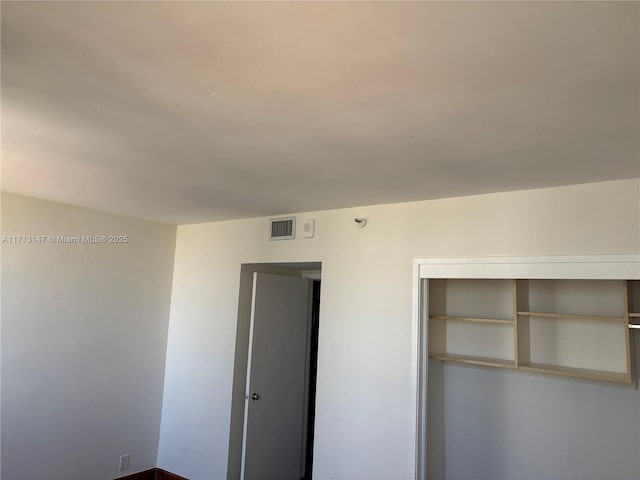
point(275, 405)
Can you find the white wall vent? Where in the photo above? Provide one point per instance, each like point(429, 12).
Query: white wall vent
point(282, 228)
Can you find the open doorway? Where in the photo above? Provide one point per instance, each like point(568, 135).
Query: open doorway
point(275, 371)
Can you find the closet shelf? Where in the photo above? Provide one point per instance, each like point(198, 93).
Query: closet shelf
point(472, 319)
point(593, 331)
point(469, 360)
point(583, 373)
point(572, 316)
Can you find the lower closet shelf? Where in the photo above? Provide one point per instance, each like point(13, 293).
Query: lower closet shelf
point(484, 361)
point(583, 373)
point(601, 375)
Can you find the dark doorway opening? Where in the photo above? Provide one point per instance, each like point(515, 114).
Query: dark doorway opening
point(313, 374)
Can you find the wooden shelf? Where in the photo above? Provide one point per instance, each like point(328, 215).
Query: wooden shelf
point(571, 316)
point(472, 319)
point(486, 362)
point(516, 304)
point(582, 373)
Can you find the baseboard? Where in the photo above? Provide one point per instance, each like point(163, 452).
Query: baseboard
point(153, 474)
point(164, 475)
point(146, 475)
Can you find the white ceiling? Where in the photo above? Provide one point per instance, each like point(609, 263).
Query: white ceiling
point(198, 111)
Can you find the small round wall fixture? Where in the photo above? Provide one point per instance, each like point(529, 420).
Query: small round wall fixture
point(361, 222)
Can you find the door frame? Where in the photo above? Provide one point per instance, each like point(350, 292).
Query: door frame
point(549, 267)
point(310, 270)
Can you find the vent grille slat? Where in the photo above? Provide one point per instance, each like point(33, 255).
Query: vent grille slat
point(282, 228)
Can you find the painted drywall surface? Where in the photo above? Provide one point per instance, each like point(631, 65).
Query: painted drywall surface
point(364, 401)
point(84, 330)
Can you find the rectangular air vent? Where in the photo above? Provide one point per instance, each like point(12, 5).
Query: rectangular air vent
point(282, 228)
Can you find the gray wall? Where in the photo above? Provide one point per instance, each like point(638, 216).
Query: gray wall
point(84, 331)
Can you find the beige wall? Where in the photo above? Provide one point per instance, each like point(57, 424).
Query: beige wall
point(364, 410)
point(84, 330)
